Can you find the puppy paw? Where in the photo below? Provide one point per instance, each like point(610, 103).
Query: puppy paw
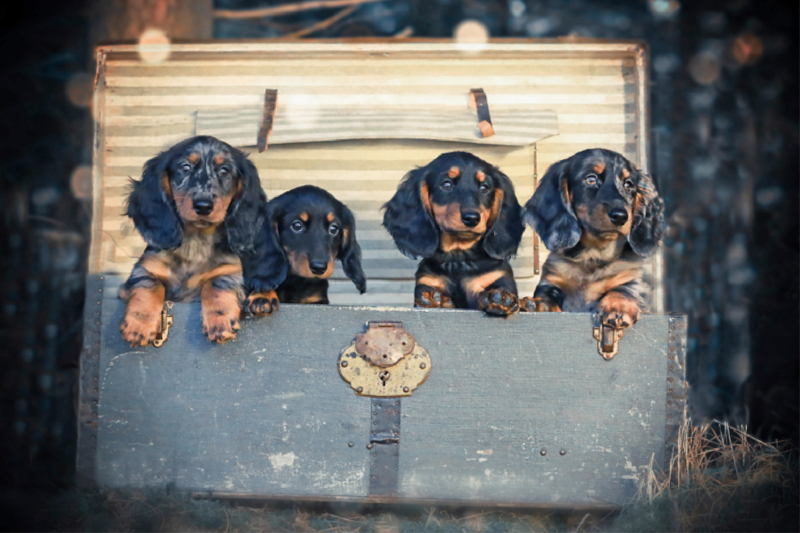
point(537, 305)
point(221, 325)
point(617, 311)
point(498, 302)
point(433, 298)
point(138, 328)
point(261, 304)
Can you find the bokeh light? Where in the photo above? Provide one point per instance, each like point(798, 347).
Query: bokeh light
point(80, 89)
point(747, 49)
point(81, 182)
point(154, 46)
point(704, 68)
point(664, 9)
point(471, 32)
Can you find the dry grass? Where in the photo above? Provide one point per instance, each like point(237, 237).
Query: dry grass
point(719, 479)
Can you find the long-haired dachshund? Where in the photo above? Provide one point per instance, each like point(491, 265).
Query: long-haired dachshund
point(460, 215)
point(198, 205)
point(306, 229)
point(599, 216)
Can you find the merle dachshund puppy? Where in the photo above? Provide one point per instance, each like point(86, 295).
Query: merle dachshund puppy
point(306, 229)
point(599, 216)
point(197, 206)
point(460, 215)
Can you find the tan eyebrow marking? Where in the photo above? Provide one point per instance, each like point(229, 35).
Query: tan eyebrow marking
point(193, 158)
point(219, 159)
point(625, 173)
point(454, 172)
point(480, 175)
point(330, 217)
point(599, 167)
point(304, 216)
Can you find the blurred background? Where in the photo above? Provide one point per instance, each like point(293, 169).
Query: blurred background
point(724, 147)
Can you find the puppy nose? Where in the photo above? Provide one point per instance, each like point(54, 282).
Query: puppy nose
point(317, 267)
point(470, 219)
point(203, 207)
point(618, 216)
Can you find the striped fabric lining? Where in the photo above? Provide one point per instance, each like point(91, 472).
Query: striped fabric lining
point(145, 108)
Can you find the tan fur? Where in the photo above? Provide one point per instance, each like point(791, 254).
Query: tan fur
point(425, 197)
point(220, 158)
point(595, 290)
point(220, 309)
point(617, 310)
point(330, 217)
point(430, 280)
point(454, 172)
point(590, 283)
point(262, 303)
point(204, 277)
point(304, 217)
point(142, 315)
point(185, 205)
point(299, 264)
point(448, 218)
point(193, 158)
point(599, 168)
point(311, 299)
point(496, 206)
point(460, 241)
point(625, 173)
point(158, 268)
point(478, 284)
point(165, 184)
point(480, 176)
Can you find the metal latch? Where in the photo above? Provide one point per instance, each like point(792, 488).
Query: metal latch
point(385, 361)
point(607, 340)
point(166, 323)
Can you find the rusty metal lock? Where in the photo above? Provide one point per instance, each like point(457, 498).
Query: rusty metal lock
point(385, 361)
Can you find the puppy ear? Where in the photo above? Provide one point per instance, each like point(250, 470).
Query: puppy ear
point(550, 211)
point(648, 223)
point(265, 267)
point(350, 252)
point(505, 223)
point(246, 212)
point(408, 217)
point(151, 207)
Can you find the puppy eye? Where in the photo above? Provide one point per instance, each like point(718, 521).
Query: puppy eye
point(485, 188)
point(591, 179)
point(297, 226)
point(628, 185)
point(186, 167)
point(447, 185)
point(224, 171)
point(333, 229)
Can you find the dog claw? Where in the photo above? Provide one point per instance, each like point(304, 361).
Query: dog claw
point(434, 299)
point(498, 302)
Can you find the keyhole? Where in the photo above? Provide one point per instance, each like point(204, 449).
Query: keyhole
point(384, 376)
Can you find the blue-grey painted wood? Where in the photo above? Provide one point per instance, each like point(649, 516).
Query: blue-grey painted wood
point(268, 414)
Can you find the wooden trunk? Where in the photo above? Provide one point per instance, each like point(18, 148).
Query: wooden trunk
point(515, 411)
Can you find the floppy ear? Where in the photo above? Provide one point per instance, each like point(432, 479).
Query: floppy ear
point(408, 217)
point(648, 223)
point(505, 232)
point(350, 252)
point(246, 212)
point(265, 267)
point(550, 211)
point(151, 207)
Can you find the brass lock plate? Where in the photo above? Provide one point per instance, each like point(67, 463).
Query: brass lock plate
point(166, 323)
point(405, 367)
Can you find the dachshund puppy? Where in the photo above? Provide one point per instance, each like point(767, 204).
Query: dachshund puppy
point(599, 216)
point(305, 231)
point(198, 205)
point(460, 215)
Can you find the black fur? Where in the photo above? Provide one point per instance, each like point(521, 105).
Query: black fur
point(269, 268)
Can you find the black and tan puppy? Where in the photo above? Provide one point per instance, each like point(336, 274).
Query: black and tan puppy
point(599, 216)
point(198, 205)
point(460, 215)
point(305, 231)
